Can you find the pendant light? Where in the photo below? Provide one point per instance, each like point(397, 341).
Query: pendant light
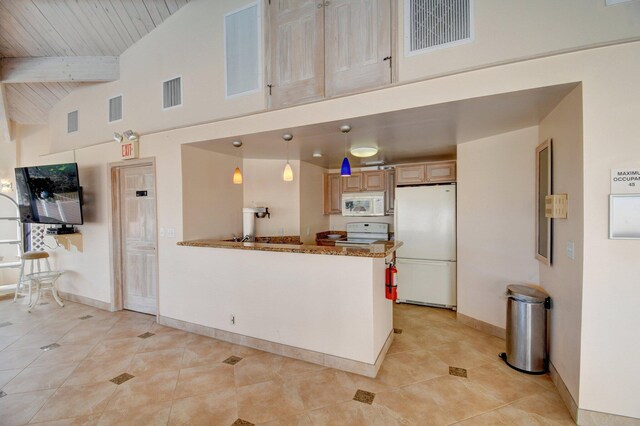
point(345, 170)
point(287, 175)
point(237, 174)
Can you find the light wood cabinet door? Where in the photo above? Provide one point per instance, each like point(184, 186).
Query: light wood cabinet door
point(297, 52)
point(357, 45)
point(407, 175)
point(390, 199)
point(332, 194)
point(353, 183)
point(374, 181)
point(441, 172)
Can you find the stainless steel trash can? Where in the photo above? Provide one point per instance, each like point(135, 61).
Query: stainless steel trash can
point(527, 320)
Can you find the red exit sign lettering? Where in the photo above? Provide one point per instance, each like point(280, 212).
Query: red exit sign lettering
point(129, 150)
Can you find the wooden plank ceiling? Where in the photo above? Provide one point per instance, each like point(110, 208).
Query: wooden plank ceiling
point(52, 28)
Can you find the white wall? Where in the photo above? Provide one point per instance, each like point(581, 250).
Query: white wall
point(8, 229)
point(211, 202)
point(496, 222)
point(263, 187)
point(518, 29)
point(563, 279)
point(312, 217)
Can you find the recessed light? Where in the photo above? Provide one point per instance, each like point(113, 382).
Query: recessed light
point(364, 151)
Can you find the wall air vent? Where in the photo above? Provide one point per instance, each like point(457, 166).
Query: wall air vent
point(72, 121)
point(115, 109)
point(172, 93)
point(433, 24)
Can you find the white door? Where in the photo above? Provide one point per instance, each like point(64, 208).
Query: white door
point(426, 222)
point(138, 238)
point(357, 45)
point(297, 51)
point(427, 282)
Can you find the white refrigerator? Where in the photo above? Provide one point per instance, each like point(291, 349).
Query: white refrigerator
point(425, 221)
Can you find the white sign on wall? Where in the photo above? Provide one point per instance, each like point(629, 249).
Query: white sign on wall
point(625, 181)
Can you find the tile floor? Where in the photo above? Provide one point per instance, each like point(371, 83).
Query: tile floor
point(436, 372)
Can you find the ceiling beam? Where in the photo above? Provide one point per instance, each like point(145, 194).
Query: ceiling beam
point(59, 69)
point(5, 124)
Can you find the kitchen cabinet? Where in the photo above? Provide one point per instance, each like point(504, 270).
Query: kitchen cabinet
point(433, 172)
point(374, 181)
point(413, 174)
point(332, 193)
point(322, 49)
point(390, 198)
point(353, 183)
point(441, 172)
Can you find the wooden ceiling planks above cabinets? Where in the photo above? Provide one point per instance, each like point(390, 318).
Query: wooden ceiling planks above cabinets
point(322, 49)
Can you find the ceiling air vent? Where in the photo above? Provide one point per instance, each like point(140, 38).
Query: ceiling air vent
point(72, 121)
point(172, 93)
point(436, 23)
point(115, 109)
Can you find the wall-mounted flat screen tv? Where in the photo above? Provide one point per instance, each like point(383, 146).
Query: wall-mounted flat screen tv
point(49, 194)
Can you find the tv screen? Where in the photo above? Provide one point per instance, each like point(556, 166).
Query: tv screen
point(49, 194)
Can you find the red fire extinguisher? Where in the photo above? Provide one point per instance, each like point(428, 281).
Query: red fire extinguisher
point(391, 282)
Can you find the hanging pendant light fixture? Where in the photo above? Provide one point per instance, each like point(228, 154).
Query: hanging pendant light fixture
point(237, 174)
point(345, 170)
point(287, 175)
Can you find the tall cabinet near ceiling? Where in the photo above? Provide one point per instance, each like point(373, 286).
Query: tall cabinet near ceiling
point(324, 49)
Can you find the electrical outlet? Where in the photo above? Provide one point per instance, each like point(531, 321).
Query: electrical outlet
point(571, 250)
point(161, 232)
point(232, 319)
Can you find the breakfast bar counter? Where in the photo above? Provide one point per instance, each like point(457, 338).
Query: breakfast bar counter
point(376, 250)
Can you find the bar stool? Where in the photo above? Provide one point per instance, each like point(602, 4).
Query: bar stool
point(38, 259)
point(45, 281)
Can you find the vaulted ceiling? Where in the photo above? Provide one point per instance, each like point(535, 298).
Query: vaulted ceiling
point(50, 35)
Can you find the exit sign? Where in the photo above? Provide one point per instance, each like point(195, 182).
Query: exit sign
point(129, 150)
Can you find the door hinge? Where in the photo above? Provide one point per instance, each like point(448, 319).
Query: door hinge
point(269, 86)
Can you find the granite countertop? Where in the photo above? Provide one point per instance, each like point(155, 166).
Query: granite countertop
point(382, 249)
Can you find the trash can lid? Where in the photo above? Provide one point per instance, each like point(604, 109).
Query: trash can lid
point(526, 293)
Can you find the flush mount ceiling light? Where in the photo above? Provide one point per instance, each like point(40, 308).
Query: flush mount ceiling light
point(364, 151)
point(317, 155)
point(287, 174)
point(345, 169)
point(237, 174)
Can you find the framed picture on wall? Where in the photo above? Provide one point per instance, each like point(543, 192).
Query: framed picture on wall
point(543, 188)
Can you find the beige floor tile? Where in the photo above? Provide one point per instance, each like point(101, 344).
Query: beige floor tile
point(149, 363)
point(75, 401)
point(323, 388)
point(39, 378)
point(90, 420)
point(204, 379)
point(93, 370)
point(265, 367)
point(211, 409)
point(410, 367)
point(503, 383)
point(207, 353)
point(86, 333)
point(462, 355)
point(62, 355)
point(7, 375)
point(18, 409)
point(150, 415)
point(142, 391)
point(354, 413)
point(6, 341)
point(442, 400)
point(106, 348)
point(34, 341)
point(10, 360)
point(263, 402)
point(546, 405)
point(165, 340)
point(124, 331)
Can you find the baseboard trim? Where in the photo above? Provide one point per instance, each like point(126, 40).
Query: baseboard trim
point(357, 367)
point(85, 300)
point(568, 400)
point(596, 418)
point(479, 325)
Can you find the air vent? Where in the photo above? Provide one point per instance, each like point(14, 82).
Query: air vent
point(115, 109)
point(436, 23)
point(172, 93)
point(72, 121)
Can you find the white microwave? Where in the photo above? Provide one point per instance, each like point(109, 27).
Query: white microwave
point(363, 204)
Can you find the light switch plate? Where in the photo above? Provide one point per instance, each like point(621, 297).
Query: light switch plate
point(571, 250)
point(171, 233)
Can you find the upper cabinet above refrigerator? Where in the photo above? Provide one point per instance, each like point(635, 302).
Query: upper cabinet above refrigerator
point(322, 49)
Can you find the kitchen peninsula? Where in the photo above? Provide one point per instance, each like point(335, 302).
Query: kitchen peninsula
point(324, 305)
